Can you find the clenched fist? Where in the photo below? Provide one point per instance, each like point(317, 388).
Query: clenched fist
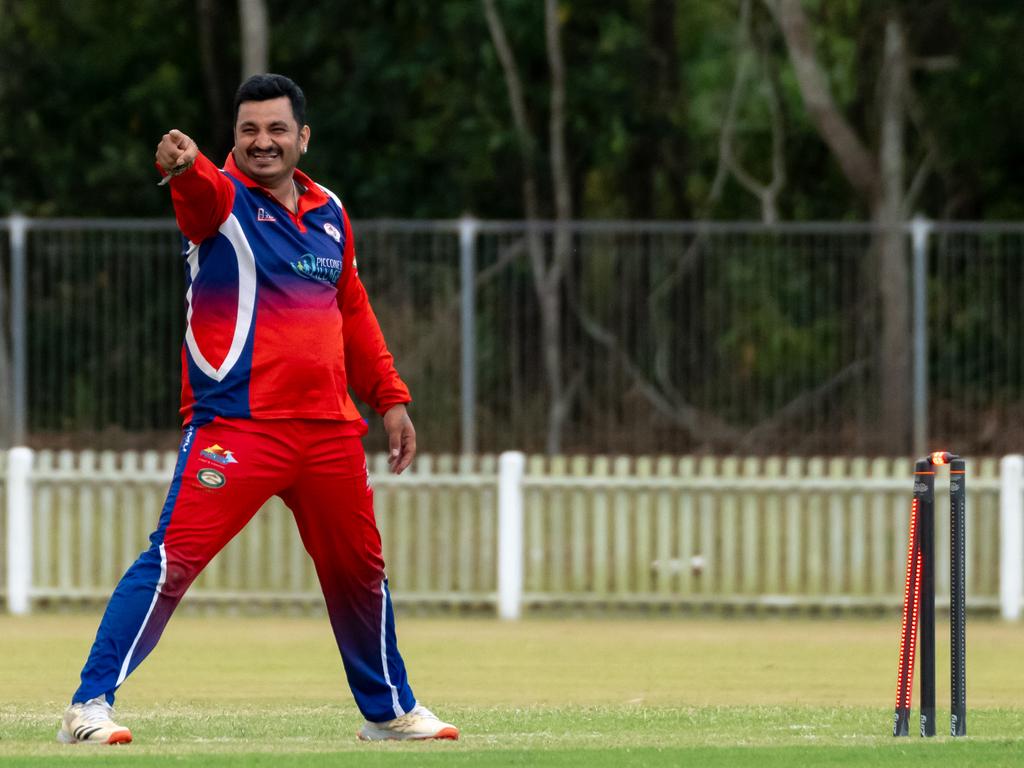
point(176, 150)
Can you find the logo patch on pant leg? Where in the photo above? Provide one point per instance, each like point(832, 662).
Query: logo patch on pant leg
point(219, 455)
point(211, 478)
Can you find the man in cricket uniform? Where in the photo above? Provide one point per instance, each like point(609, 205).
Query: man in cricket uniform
point(279, 327)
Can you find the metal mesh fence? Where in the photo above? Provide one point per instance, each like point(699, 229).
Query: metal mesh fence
point(412, 276)
point(595, 338)
point(679, 340)
point(976, 321)
point(105, 317)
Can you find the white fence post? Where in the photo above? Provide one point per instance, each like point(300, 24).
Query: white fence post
point(1011, 536)
point(19, 530)
point(511, 467)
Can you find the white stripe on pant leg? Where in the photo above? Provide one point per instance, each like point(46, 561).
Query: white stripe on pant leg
point(384, 649)
point(152, 605)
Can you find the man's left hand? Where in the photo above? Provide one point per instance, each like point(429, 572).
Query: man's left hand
point(401, 438)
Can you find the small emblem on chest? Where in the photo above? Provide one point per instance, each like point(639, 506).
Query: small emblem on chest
point(262, 215)
point(332, 230)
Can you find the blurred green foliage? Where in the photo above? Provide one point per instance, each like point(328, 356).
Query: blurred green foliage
point(410, 113)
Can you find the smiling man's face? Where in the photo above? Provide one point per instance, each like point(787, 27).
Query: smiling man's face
point(268, 140)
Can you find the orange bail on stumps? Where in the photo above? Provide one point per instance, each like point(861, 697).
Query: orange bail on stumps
point(919, 599)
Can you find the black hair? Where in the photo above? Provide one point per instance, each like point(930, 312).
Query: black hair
point(266, 87)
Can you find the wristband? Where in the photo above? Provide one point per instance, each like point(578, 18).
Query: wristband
point(175, 171)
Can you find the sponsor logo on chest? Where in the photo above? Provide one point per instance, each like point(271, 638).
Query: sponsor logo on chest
point(323, 269)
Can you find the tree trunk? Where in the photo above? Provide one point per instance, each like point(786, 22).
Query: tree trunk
point(880, 182)
point(255, 37)
point(893, 273)
point(670, 96)
point(217, 105)
point(547, 275)
point(766, 194)
point(855, 160)
point(517, 104)
point(551, 291)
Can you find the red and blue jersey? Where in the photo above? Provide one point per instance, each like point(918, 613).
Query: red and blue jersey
point(278, 322)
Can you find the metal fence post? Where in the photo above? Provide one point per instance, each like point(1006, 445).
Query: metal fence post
point(511, 466)
point(468, 228)
point(1011, 536)
point(19, 530)
point(920, 229)
point(19, 372)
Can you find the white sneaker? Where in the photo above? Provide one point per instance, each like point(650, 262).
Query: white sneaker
point(420, 723)
point(90, 723)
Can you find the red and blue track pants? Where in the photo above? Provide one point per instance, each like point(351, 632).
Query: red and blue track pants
point(226, 470)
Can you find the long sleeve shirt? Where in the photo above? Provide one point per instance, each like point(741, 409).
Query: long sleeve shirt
point(278, 322)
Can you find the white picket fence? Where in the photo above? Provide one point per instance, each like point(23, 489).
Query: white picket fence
point(516, 532)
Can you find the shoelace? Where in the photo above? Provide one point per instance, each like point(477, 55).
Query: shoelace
point(96, 711)
point(409, 719)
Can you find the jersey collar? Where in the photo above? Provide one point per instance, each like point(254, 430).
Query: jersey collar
point(312, 198)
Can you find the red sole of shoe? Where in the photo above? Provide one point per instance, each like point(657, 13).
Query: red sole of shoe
point(447, 733)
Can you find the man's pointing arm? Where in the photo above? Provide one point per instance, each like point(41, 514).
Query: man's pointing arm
point(201, 194)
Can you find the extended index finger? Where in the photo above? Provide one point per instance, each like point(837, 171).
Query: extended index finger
point(181, 141)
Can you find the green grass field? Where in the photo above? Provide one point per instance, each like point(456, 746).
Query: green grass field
point(542, 692)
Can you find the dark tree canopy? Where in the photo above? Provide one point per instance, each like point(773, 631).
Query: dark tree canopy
point(410, 116)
